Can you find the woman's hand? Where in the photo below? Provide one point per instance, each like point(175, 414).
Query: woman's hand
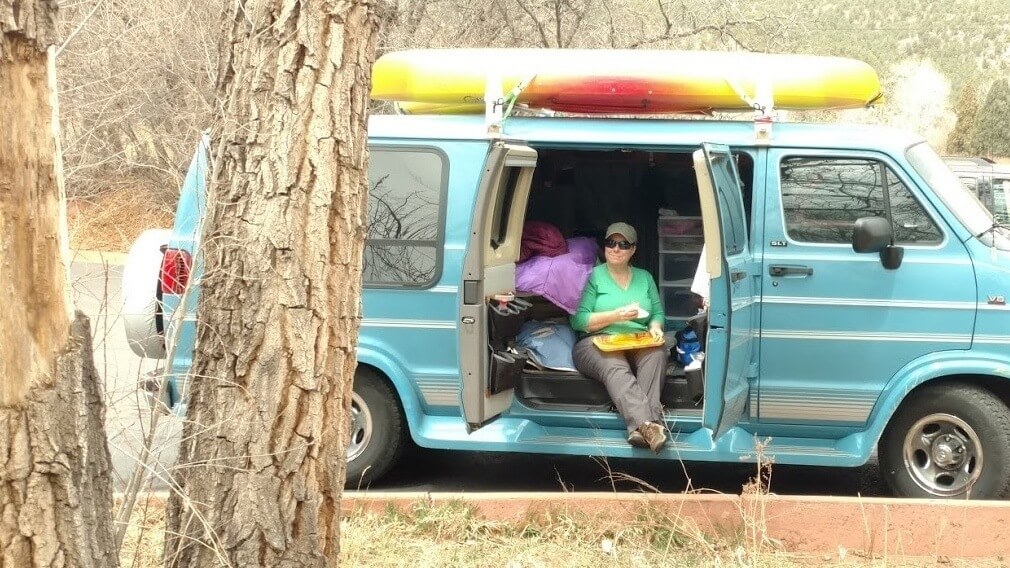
point(656, 332)
point(627, 313)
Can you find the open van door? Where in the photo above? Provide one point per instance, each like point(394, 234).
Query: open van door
point(489, 269)
point(729, 351)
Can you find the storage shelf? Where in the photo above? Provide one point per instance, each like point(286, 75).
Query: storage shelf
point(680, 244)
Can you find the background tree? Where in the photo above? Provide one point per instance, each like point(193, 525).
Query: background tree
point(138, 77)
point(55, 490)
point(966, 108)
point(916, 98)
point(262, 464)
point(584, 24)
point(991, 134)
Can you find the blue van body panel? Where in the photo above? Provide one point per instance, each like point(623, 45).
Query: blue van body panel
point(883, 333)
point(181, 327)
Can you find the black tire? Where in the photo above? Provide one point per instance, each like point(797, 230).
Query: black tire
point(389, 432)
point(988, 419)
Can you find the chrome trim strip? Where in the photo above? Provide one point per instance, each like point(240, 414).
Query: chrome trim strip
point(993, 339)
point(412, 324)
point(439, 390)
point(806, 450)
point(445, 289)
point(862, 336)
point(441, 399)
point(870, 303)
point(745, 303)
point(824, 405)
point(775, 412)
point(601, 442)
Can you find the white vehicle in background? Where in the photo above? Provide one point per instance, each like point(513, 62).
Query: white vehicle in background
point(989, 181)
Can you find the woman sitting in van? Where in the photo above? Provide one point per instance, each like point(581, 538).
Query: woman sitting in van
point(619, 299)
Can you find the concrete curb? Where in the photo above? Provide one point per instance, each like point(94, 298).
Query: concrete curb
point(873, 526)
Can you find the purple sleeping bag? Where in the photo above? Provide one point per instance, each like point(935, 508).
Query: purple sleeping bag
point(560, 279)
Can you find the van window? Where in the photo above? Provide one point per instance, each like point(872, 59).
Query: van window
point(1000, 196)
point(823, 197)
point(406, 195)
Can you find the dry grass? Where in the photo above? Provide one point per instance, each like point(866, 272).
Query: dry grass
point(112, 220)
point(452, 535)
point(145, 537)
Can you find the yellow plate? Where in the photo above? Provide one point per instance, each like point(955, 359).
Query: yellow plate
point(625, 341)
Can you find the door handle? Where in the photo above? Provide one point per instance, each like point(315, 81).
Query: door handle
point(781, 270)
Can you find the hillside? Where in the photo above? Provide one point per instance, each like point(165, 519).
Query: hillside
point(965, 40)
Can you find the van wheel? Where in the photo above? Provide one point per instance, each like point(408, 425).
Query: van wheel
point(378, 430)
point(948, 441)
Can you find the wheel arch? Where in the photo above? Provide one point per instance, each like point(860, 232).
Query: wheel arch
point(387, 369)
point(946, 367)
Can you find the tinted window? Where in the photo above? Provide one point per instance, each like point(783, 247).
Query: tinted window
point(823, 197)
point(405, 194)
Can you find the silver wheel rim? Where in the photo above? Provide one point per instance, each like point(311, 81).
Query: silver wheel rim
point(361, 427)
point(943, 455)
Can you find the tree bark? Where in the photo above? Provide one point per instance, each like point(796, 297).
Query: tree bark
point(55, 469)
point(55, 490)
point(262, 464)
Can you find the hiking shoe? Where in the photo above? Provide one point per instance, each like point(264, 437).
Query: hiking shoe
point(654, 434)
point(636, 439)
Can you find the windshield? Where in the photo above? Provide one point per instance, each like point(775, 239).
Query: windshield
point(960, 200)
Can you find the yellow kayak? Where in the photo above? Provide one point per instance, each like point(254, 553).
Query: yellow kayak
point(622, 81)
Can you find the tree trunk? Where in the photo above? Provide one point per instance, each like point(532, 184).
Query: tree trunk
point(262, 464)
point(55, 491)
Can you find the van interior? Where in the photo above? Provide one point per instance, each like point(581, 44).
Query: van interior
point(580, 193)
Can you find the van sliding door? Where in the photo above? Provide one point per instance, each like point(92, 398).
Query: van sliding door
point(489, 269)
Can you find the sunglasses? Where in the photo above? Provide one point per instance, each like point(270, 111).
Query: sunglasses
point(623, 245)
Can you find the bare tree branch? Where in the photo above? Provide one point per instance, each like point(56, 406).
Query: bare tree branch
point(544, 39)
point(80, 26)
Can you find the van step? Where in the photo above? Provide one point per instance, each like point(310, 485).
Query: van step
point(738, 445)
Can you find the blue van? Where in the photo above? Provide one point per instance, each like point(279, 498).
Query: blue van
point(856, 298)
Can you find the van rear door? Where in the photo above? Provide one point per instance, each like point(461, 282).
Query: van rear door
point(489, 269)
point(729, 352)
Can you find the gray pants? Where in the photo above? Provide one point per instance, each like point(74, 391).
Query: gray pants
point(634, 379)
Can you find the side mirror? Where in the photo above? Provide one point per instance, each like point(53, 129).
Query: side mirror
point(874, 234)
point(891, 256)
point(871, 234)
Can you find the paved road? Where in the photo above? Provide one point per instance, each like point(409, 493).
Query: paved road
point(96, 292)
point(432, 470)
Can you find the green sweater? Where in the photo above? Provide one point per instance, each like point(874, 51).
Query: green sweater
point(602, 294)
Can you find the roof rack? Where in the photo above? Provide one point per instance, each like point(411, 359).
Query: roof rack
point(498, 106)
